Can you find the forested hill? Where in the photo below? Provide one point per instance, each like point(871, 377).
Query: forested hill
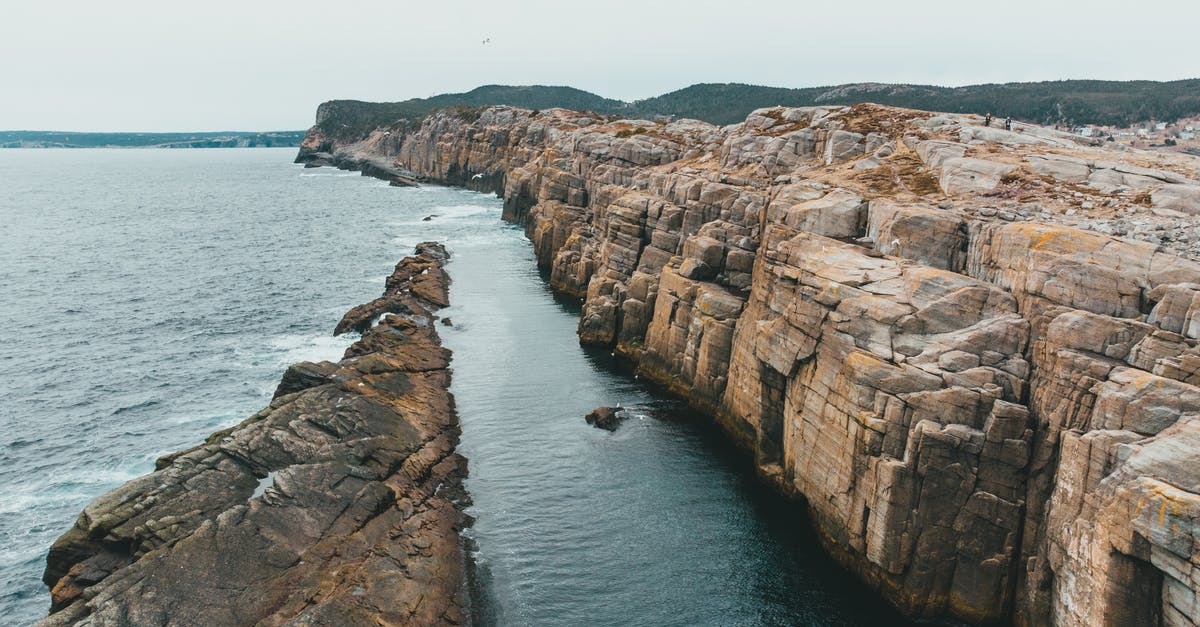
point(354, 118)
point(1120, 103)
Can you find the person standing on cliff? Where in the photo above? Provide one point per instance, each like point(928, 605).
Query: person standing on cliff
point(1008, 124)
point(987, 119)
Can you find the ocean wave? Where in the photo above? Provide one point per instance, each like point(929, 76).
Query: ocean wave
point(294, 348)
point(146, 404)
point(464, 210)
point(74, 487)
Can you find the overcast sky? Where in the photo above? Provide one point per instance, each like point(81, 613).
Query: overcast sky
point(133, 65)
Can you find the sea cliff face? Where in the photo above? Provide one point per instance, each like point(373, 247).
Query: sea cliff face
point(971, 351)
point(338, 504)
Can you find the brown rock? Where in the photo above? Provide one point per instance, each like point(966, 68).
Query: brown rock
point(607, 418)
point(340, 503)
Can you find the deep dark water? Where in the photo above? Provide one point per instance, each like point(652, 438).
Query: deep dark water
point(152, 297)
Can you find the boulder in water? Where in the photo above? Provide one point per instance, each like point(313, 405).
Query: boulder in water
point(607, 418)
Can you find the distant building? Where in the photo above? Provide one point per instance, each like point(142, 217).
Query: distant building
point(1189, 128)
point(1085, 131)
point(1161, 126)
point(1142, 132)
point(1187, 135)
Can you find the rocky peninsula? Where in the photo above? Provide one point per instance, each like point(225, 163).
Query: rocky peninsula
point(972, 352)
point(339, 504)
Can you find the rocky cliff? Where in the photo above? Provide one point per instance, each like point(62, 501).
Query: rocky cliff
point(971, 351)
point(339, 504)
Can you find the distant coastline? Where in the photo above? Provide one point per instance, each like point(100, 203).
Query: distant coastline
point(215, 139)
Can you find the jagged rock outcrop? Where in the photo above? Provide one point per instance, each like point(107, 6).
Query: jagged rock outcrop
point(338, 504)
point(971, 351)
point(421, 277)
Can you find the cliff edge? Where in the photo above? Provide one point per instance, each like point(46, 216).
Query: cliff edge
point(338, 504)
point(972, 351)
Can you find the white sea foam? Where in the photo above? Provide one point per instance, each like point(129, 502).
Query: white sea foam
point(464, 211)
point(294, 348)
point(71, 488)
point(209, 421)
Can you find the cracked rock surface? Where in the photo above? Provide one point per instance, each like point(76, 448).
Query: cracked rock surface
point(974, 352)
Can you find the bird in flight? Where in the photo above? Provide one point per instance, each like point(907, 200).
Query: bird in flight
point(487, 40)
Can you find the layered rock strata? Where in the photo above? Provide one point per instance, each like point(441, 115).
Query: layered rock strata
point(973, 352)
point(338, 504)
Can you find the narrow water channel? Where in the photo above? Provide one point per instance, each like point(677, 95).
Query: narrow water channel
point(654, 524)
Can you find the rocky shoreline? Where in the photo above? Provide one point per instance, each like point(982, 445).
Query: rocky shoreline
point(970, 351)
point(341, 503)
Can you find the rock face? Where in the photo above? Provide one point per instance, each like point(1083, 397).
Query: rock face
point(338, 504)
point(972, 352)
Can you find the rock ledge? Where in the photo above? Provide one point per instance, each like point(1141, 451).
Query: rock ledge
point(339, 504)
